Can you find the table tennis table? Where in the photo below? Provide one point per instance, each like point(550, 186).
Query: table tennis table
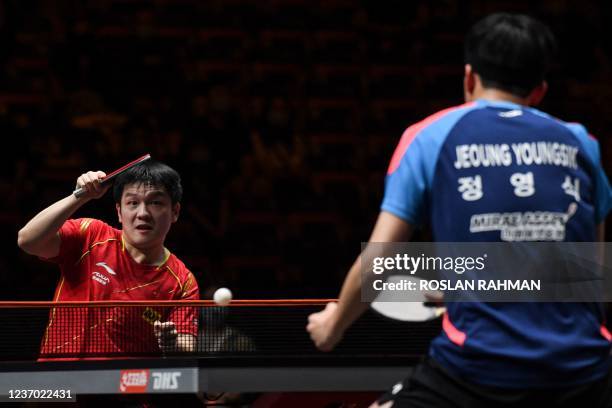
point(267, 350)
point(195, 376)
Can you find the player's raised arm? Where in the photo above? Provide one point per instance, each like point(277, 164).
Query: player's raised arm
point(39, 236)
point(327, 327)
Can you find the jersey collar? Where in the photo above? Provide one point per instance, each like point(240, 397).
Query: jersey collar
point(499, 104)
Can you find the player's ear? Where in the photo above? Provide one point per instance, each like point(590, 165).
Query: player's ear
point(176, 209)
point(538, 93)
point(118, 207)
point(469, 83)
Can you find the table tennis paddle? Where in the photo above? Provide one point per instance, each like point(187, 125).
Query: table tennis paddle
point(79, 191)
point(414, 310)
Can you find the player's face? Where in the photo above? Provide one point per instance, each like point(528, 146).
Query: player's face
point(146, 214)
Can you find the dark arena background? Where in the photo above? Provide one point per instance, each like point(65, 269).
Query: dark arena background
point(281, 117)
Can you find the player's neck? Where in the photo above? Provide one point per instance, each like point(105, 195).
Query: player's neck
point(493, 94)
point(147, 256)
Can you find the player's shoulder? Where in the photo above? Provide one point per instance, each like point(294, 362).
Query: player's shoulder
point(438, 125)
point(446, 117)
point(89, 227)
point(581, 133)
point(578, 130)
point(179, 267)
point(186, 279)
point(588, 141)
point(428, 134)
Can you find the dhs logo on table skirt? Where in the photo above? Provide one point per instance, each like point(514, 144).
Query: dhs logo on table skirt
point(165, 380)
point(133, 381)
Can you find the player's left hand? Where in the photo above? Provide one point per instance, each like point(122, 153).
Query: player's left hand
point(166, 335)
point(322, 330)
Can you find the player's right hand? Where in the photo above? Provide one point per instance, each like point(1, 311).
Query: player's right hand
point(90, 183)
point(322, 329)
point(434, 296)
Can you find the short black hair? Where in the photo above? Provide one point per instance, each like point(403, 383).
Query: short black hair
point(511, 52)
point(151, 173)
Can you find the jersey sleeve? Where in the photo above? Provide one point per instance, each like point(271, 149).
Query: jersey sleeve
point(75, 235)
point(603, 192)
point(185, 318)
point(406, 181)
point(411, 171)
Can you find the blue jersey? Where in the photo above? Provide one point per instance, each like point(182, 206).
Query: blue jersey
point(495, 171)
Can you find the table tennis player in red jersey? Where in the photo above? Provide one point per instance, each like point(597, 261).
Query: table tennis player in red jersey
point(99, 262)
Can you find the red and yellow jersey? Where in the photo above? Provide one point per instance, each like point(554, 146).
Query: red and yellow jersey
point(95, 265)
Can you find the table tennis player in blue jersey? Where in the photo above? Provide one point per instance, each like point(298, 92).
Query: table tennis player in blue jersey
point(462, 170)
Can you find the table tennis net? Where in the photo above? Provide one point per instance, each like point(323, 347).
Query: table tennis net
point(38, 331)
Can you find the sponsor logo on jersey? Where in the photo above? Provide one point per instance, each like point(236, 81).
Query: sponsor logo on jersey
point(511, 113)
point(107, 268)
point(98, 277)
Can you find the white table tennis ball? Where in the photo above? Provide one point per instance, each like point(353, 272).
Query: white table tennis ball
point(222, 296)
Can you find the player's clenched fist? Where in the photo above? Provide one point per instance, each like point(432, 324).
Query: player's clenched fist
point(166, 335)
point(321, 327)
point(90, 184)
